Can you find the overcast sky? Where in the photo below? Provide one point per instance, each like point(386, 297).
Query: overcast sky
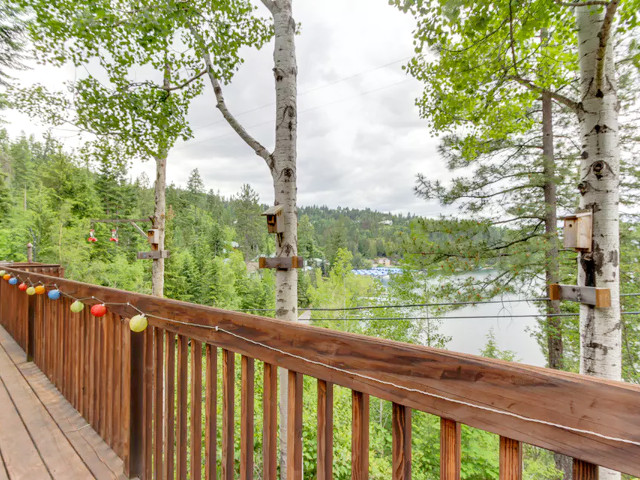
point(360, 140)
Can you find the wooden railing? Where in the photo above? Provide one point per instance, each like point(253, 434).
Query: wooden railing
point(153, 396)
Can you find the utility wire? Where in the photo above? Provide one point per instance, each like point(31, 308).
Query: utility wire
point(461, 317)
point(305, 92)
point(415, 305)
point(322, 105)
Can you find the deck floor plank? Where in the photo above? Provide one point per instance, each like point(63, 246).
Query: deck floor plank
point(50, 436)
point(20, 456)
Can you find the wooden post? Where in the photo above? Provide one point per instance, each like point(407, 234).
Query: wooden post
point(401, 452)
point(31, 318)
point(30, 252)
point(584, 470)
point(510, 459)
point(134, 464)
point(449, 449)
point(359, 436)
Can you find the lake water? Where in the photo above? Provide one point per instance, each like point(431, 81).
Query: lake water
point(469, 335)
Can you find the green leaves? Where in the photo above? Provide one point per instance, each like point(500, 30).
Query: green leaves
point(145, 61)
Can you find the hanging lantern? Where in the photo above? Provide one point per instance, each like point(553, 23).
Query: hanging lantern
point(53, 294)
point(138, 323)
point(99, 310)
point(92, 236)
point(40, 289)
point(2, 273)
point(23, 287)
point(114, 235)
point(6, 276)
point(31, 291)
point(77, 306)
point(13, 280)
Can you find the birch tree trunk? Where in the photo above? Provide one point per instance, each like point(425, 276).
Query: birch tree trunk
point(284, 174)
point(600, 328)
point(159, 222)
point(282, 165)
point(552, 267)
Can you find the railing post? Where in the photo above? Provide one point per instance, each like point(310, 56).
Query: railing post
point(31, 320)
point(134, 464)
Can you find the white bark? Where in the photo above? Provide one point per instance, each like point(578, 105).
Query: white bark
point(159, 221)
point(600, 328)
point(282, 165)
point(284, 175)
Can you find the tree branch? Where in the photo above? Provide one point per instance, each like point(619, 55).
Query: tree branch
point(270, 4)
point(167, 88)
point(605, 35)
point(513, 48)
point(257, 147)
point(575, 106)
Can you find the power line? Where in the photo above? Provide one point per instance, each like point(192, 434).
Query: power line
point(320, 87)
point(417, 305)
point(463, 317)
point(323, 105)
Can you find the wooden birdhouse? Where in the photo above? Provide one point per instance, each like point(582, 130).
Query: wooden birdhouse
point(153, 235)
point(275, 219)
point(578, 231)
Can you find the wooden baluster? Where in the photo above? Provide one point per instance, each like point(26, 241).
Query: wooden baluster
point(584, 470)
point(74, 321)
point(270, 423)
point(84, 377)
point(169, 404)
point(325, 430)
point(117, 389)
point(246, 418)
point(294, 427)
point(228, 423)
point(102, 377)
point(158, 353)
point(196, 410)
point(360, 436)
point(109, 400)
point(31, 328)
point(134, 454)
point(181, 420)
point(449, 449)
point(510, 459)
point(211, 415)
point(148, 402)
point(401, 442)
point(93, 350)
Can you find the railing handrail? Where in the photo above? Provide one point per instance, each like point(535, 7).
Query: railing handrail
point(539, 406)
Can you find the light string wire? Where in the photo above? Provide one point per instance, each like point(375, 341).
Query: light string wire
point(373, 379)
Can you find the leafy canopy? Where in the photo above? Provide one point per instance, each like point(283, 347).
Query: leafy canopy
point(148, 62)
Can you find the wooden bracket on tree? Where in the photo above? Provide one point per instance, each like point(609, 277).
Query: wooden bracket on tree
point(153, 255)
point(281, 263)
point(599, 297)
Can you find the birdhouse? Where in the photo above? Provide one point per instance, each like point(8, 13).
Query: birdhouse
point(153, 235)
point(578, 230)
point(275, 219)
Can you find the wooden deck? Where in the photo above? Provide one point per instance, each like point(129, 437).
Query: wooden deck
point(41, 435)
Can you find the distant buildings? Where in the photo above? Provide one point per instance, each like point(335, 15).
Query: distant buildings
point(382, 261)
